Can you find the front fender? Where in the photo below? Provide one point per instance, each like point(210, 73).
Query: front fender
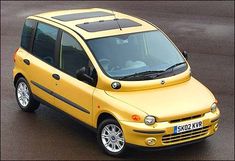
point(103, 103)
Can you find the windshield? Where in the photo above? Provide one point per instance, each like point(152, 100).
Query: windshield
point(127, 55)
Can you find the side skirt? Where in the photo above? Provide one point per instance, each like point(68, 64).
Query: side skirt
point(57, 109)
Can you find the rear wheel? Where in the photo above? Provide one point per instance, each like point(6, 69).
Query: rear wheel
point(110, 137)
point(24, 96)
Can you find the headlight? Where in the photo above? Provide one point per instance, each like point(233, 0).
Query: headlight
point(149, 120)
point(213, 107)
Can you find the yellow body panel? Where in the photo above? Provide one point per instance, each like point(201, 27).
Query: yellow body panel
point(172, 102)
point(41, 73)
point(77, 92)
point(181, 96)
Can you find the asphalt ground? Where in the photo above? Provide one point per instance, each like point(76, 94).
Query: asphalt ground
point(205, 29)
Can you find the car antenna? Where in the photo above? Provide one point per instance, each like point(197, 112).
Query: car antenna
point(116, 19)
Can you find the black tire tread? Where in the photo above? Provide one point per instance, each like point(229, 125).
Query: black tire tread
point(33, 104)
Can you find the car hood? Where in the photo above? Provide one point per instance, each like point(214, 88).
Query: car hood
point(178, 101)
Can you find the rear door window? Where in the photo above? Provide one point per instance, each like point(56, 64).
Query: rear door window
point(27, 34)
point(45, 42)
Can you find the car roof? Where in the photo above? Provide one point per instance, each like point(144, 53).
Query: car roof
point(96, 22)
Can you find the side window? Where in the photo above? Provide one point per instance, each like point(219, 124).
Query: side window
point(27, 34)
point(44, 43)
point(73, 59)
point(72, 56)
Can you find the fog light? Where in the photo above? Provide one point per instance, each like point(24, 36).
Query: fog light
point(150, 141)
point(215, 127)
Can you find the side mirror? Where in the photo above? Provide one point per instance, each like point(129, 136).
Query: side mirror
point(185, 54)
point(82, 75)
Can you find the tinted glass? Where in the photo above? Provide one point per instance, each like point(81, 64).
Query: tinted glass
point(108, 25)
point(125, 55)
point(72, 56)
point(44, 43)
point(27, 34)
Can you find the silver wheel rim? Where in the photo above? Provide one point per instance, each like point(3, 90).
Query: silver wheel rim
point(112, 138)
point(23, 94)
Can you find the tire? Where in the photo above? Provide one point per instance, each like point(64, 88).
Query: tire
point(112, 140)
point(24, 96)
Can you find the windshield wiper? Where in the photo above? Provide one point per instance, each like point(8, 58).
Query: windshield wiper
point(175, 65)
point(171, 67)
point(145, 74)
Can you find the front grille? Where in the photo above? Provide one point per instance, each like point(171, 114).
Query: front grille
point(186, 118)
point(184, 136)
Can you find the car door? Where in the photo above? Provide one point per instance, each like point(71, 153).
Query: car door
point(42, 61)
point(72, 95)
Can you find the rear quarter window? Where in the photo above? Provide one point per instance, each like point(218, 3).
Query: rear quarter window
point(27, 34)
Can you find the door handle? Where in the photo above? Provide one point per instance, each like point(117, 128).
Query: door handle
point(26, 61)
point(56, 76)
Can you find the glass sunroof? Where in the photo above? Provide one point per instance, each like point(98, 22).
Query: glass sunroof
point(107, 25)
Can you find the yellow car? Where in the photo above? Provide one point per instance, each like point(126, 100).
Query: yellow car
point(118, 74)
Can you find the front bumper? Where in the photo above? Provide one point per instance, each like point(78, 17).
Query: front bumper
point(162, 134)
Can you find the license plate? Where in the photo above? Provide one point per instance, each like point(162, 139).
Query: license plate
point(188, 127)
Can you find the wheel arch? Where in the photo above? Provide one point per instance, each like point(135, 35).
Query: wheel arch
point(17, 76)
point(103, 116)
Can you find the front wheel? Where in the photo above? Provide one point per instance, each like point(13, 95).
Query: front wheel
point(110, 137)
